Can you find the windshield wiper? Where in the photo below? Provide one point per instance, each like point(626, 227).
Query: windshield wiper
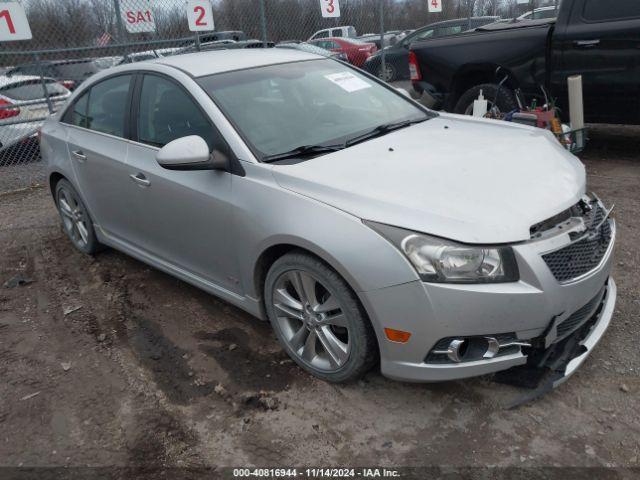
point(383, 130)
point(303, 151)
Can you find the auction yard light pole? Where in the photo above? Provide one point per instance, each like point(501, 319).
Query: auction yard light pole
point(263, 21)
point(119, 26)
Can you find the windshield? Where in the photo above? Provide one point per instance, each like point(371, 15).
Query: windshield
point(279, 108)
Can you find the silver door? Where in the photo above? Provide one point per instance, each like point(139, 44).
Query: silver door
point(98, 152)
point(181, 217)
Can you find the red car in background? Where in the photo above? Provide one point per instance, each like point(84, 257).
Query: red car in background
point(356, 51)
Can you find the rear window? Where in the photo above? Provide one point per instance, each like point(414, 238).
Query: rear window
point(599, 11)
point(32, 90)
point(76, 70)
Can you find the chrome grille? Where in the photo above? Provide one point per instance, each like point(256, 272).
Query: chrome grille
point(584, 255)
point(579, 317)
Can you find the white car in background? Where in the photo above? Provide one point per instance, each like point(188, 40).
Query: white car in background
point(23, 105)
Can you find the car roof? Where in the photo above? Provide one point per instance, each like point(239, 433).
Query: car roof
point(200, 64)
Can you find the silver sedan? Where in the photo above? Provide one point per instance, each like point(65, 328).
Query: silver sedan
point(367, 229)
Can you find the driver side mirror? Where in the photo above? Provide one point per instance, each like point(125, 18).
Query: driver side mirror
point(190, 153)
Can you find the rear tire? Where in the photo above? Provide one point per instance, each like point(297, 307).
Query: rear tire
point(390, 75)
point(324, 329)
point(506, 100)
point(76, 220)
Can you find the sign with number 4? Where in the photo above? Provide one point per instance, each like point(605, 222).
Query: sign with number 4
point(330, 8)
point(13, 22)
point(435, 6)
point(200, 15)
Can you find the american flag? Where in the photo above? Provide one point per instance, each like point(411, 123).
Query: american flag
point(103, 40)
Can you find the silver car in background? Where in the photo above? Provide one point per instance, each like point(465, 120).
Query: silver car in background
point(363, 226)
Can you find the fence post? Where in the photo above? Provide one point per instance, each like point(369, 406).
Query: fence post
point(43, 83)
point(383, 65)
point(120, 27)
point(263, 22)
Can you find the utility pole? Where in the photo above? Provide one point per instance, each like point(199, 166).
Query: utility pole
point(383, 66)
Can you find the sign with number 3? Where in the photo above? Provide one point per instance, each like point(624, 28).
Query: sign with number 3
point(330, 8)
point(200, 15)
point(435, 6)
point(13, 22)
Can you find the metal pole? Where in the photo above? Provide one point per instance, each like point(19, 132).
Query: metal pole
point(120, 27)
point(43, 83)
point(383, 65)
point(263, 21)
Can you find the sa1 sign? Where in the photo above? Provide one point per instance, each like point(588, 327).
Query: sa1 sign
point(137, 15)
point(13, 22)
point(200, 15)
point(435, 6)
point(330, 8)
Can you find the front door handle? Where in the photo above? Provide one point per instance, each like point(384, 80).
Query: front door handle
point(140, 179)
point(587, 43)
point(79, 155)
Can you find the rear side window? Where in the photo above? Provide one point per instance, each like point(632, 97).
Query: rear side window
point(167, 113)
point(599, 11)
point(76, 70)
point(453, 30)
point(108, 105)
point(77, 114)
point(32, 90)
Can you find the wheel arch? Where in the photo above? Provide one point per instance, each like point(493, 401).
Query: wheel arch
point(54, 178)
point(280, 247)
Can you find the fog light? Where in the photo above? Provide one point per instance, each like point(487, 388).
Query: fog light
point(469, 349)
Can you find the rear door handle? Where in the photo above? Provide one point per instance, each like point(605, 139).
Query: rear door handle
point(587, 43)
point(79, 155)
point(140, 179)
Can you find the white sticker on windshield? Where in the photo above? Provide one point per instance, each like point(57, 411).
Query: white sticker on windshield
point(348, 81)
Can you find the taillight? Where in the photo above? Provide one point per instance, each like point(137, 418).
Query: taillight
point(414, 68)
point(69, 84)
point(7, 109)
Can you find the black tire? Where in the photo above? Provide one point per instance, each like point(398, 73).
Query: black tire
point(363, 349)
point(506, 99)
point(65, 193)
point(392, 72)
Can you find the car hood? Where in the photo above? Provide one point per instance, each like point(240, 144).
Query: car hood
point(471, 180)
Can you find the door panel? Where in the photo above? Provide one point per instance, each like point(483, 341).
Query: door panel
point(98, 152)
point(181, 217)
point(607, 55)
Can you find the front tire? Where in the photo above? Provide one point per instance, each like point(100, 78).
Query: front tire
point(389, 75)
point(506, 100)
point(318, 319)
point(76, 220)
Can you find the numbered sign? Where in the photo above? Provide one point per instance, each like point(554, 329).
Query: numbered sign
point(137, 15)
point(13, 23)
point(200, 15)
point(330, 8)
point(435, 6)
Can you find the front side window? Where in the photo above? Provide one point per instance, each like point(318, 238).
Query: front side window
point(336, 33)
point(318, 102)
point(168, 113)
point(599, 11)
point(323, 34)
point(108, 105)
point(423, 35)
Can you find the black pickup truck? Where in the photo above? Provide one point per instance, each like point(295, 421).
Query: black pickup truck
point(599, 39)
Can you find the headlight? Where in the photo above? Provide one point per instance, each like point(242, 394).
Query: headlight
point(445, 261)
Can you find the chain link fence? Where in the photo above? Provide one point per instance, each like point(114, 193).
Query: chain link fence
point(73, 39)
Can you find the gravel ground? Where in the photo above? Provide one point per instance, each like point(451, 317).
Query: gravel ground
point(107, 362)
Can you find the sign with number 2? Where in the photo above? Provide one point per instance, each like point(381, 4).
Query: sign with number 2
point(13, 22)
point(435, 6)
point(200, 15)
point(330, 8)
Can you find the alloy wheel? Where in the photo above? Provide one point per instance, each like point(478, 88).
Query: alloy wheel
point(74, 217)
point(311, 320)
